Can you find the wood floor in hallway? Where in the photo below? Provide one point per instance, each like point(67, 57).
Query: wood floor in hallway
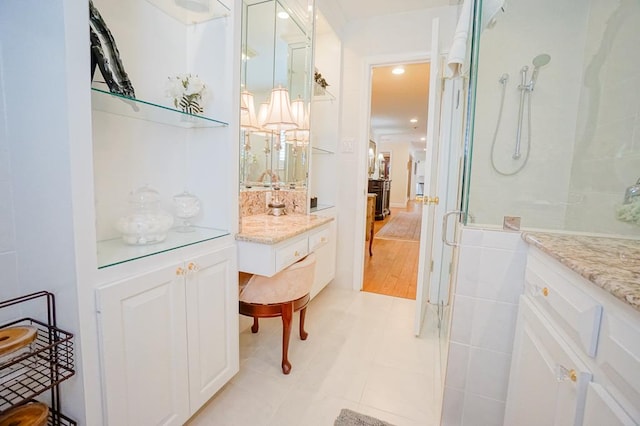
point(393, 268)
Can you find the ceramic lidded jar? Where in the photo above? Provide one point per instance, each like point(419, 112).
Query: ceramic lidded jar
point(146, 222)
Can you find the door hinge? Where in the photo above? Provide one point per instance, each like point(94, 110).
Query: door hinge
point(450, 268)
point(432, 266)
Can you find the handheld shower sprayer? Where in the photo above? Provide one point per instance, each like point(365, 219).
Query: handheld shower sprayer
point(539, 61)
point(525, 89)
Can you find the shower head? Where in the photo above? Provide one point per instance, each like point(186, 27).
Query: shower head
point(539, 61)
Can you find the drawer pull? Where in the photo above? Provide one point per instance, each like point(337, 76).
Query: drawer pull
point(297, 253)
point(192, 266)
point(323, 240)
point(545, 291)
point(563, 373)
point(180, 271)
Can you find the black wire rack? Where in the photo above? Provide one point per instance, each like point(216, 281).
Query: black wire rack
point(40, 367)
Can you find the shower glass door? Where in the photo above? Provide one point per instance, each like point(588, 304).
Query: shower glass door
point(553, 135)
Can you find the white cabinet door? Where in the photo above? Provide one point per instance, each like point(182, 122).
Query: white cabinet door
point(547, 384)
point(144, 349)
point(602, 409)
point(212, 323)
point(323, 243)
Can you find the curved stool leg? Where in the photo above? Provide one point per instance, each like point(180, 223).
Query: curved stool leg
point(287, 315)
point(303, 333)
point(255, 326)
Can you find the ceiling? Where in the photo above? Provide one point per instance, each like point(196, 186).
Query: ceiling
point(396, 99)
point(358, 9)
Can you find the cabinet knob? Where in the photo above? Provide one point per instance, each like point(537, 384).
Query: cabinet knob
point(192, 266)
point(297, 253)
point(180, 271)
point(323, 240)
point(563, 373)
point(545, 291)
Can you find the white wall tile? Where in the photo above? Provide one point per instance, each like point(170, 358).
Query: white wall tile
point(488, 373)
point(482, 411)
point(494, 325)
point(452, 407)
point(471, 237)
point(506, 240)
point(458, 359)
point(462, 319)
point(501, 275)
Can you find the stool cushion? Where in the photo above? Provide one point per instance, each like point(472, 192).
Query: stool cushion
point(287, 285)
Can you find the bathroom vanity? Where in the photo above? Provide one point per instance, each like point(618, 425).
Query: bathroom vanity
point(576, 354)
point(268, 244)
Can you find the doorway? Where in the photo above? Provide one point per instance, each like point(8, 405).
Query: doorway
point(398, 116)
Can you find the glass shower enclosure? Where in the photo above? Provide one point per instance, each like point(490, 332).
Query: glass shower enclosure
point(554, 119)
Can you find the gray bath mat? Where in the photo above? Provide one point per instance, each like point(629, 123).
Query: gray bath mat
point(351, 418)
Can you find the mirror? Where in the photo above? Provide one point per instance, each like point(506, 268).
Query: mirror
point(277, 61)
point(372, 158)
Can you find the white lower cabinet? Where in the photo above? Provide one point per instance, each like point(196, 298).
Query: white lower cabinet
point(576, 356)
point(548, 383)
point(169, 339)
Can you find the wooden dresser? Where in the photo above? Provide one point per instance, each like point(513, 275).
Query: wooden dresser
point(371, 217)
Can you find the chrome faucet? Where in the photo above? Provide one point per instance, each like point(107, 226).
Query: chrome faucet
point(632, 192)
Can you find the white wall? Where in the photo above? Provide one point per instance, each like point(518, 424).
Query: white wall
point(607, 151)
point(365, 42)
point(400, 155)
point(37, 218)
point(490, 280)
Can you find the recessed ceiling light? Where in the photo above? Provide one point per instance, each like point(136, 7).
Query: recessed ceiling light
point(414, 120)
point(398, 70)
point(283, 15)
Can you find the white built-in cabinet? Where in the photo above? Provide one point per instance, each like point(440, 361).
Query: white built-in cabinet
point(576, 358)
point(169, 339)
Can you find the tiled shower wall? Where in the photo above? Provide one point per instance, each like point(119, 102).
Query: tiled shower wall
point(490, 279)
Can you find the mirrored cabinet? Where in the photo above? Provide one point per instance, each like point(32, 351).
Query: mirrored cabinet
point(276, 79)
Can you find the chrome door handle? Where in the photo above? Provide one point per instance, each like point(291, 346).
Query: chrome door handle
point(445, 220)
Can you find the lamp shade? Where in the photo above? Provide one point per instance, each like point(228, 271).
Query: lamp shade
point(248, 120)
point(279, 115)
point(299, 114)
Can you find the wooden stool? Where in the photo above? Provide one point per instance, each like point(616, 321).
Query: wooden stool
point(280, 296)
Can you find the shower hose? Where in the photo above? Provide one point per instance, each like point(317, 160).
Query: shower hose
point(495, 134)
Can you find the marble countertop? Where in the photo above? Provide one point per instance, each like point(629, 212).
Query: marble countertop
point(612, 264)
point(267, 229)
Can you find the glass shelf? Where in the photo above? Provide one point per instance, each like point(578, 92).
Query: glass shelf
point(321, 207)
point(102, 100)
point(115, 251)
point(192, 11)
point(315, 150)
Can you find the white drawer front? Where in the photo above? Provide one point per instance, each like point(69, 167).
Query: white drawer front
point(577, 312)
point(319, 238)
point(291, 253)
point(619, 358)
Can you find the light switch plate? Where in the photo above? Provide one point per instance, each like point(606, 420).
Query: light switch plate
point(347, 144)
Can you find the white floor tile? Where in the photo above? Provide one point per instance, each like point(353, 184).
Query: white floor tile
point(361, 354)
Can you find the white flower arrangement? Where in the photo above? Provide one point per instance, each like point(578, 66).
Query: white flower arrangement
point(188, 93)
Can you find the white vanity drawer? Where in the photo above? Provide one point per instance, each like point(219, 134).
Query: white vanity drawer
point(619, 358)
point(291, 253)
point(578, 313)
point(319, 238)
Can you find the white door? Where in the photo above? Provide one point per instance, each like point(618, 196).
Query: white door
point(441, 186)
point(144, 347)
point(212, 323)
point(547, 380)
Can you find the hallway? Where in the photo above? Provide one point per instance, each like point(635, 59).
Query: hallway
point(393, 268)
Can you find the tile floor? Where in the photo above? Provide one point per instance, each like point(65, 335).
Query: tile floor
point(361, 354)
